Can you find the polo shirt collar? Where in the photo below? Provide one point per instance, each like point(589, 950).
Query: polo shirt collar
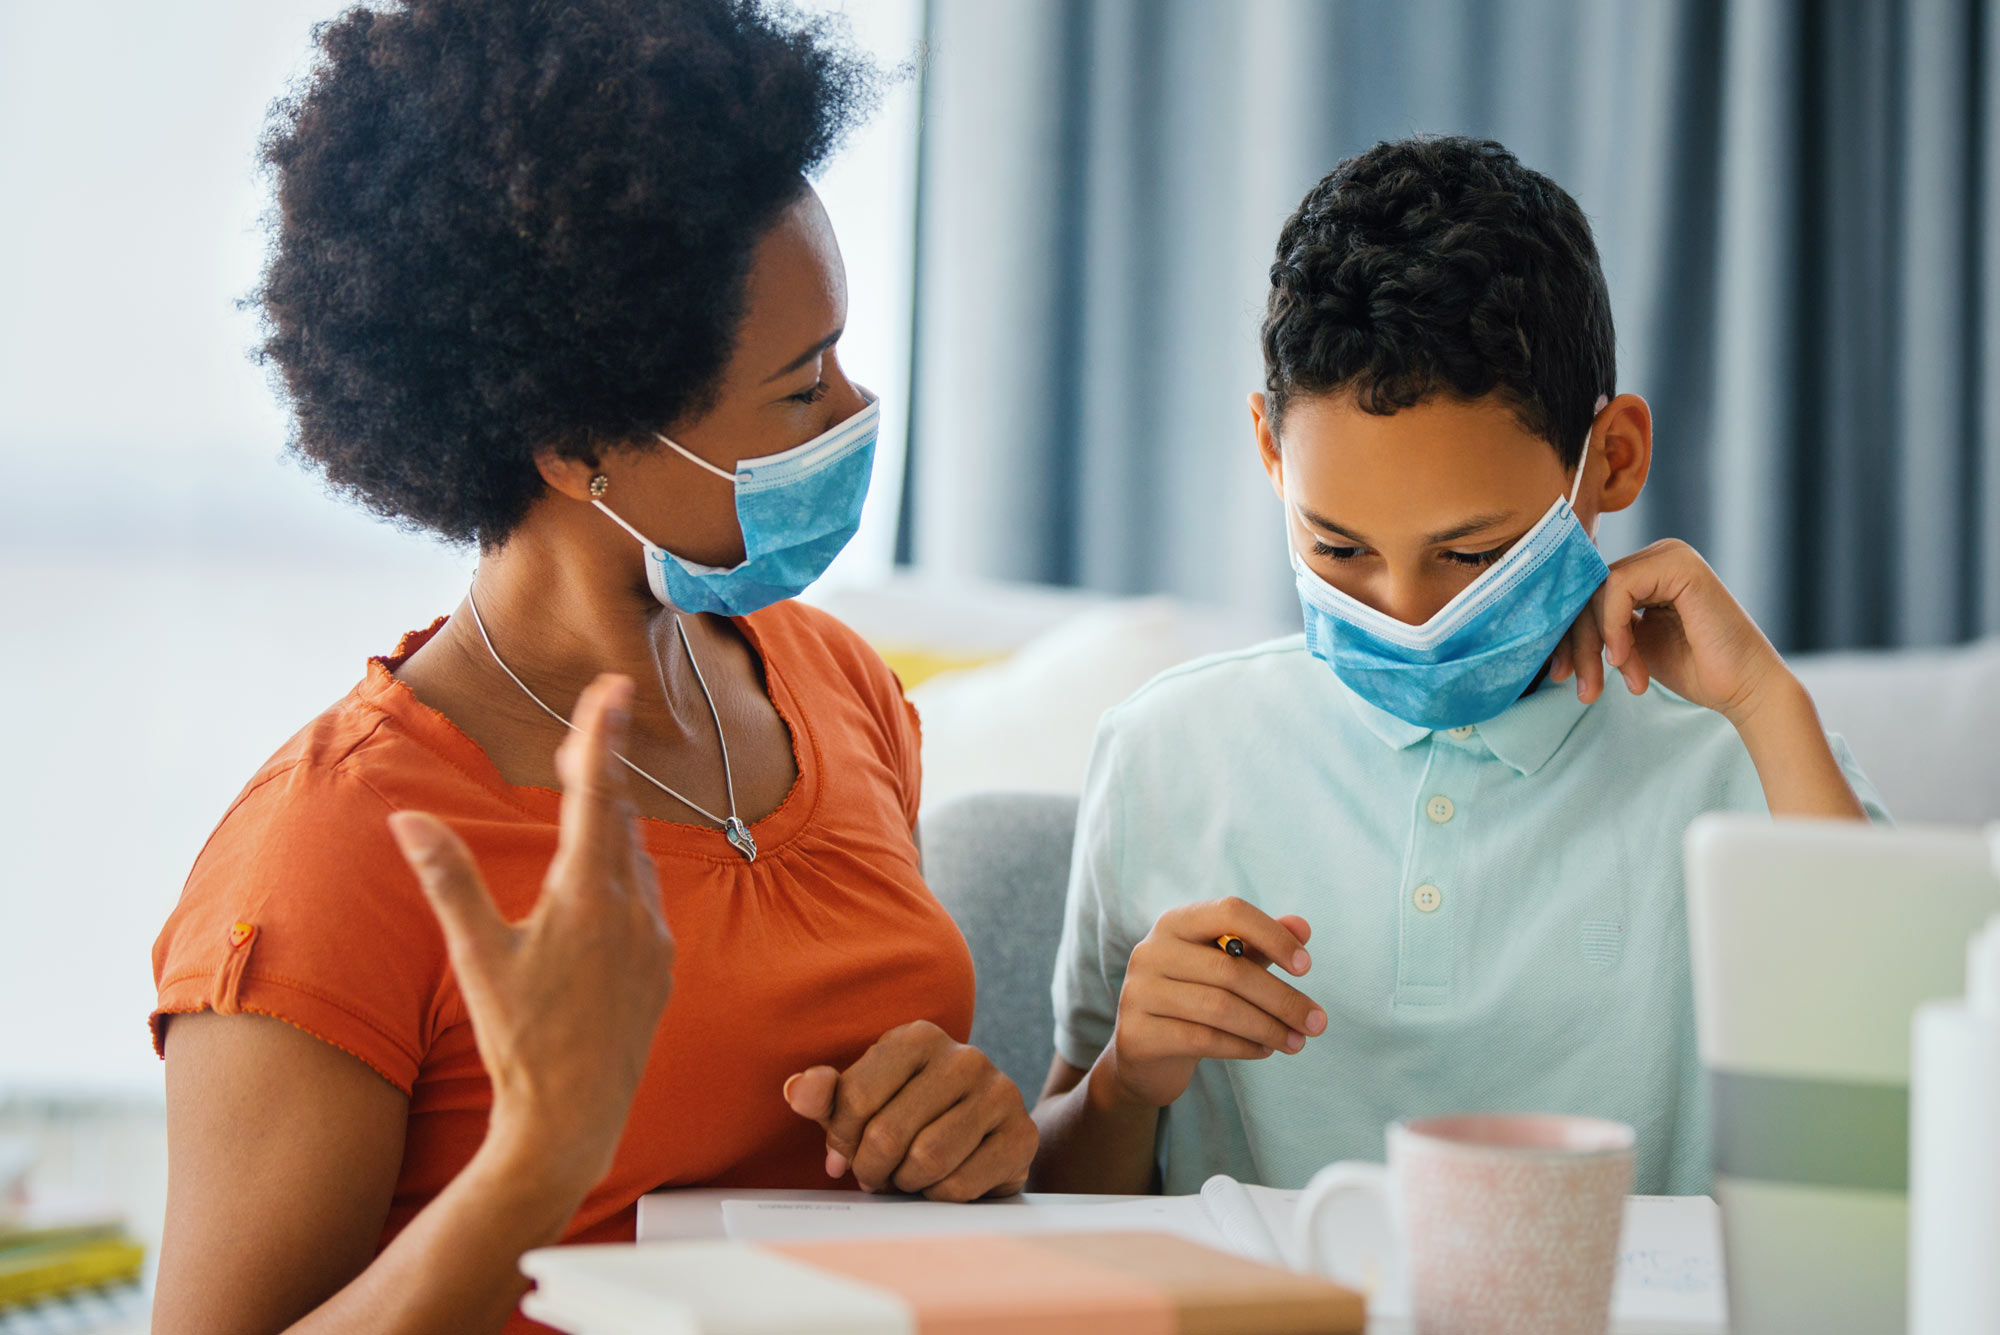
point(1523, 736)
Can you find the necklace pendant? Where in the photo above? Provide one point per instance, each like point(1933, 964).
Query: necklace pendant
point(738, 834)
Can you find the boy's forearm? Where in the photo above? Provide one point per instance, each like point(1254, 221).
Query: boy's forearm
point(1094, 1143)
point(1797, 767)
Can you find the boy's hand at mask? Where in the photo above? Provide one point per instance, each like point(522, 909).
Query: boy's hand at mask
point(1663, 615)
point(920, 1112)
point(1184, 999)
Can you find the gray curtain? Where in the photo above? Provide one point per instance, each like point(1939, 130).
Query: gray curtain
point(1798, 206)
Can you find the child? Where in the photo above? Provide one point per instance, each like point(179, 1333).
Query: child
point(1484, 837)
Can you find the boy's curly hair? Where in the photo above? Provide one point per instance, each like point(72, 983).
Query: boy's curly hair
point(507, 225)
point(1441, 265)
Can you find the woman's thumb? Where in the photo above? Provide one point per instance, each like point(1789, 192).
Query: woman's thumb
point(450, 879)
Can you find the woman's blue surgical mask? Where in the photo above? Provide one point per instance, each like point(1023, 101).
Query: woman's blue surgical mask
point(797, 510)
point(1482, 649)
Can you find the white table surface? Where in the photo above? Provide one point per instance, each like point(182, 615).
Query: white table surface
point(696, 1213)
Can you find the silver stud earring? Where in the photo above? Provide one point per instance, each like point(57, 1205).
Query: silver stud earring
point(599, 484)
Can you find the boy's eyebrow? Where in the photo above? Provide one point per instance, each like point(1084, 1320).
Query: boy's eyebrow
point(1469, 527)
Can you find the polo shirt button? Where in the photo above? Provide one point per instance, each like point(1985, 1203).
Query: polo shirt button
point(1439, 808)
point(1427, 898)
point(1460, 733)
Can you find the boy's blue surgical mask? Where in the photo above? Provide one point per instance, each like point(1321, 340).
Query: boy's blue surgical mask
point(797, 510)
point(1482, 649)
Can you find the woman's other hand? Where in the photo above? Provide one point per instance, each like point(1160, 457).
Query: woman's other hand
point(920, 1112)
point(565, 1002)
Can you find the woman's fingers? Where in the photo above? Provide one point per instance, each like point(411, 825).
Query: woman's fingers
point(474, 931)
point(998, 1167)
point(596, 829)
point(891, 1134)
point(941, 1146)
point(866, 1087)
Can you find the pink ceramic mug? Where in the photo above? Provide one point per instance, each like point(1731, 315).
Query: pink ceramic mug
point(1504, 1224)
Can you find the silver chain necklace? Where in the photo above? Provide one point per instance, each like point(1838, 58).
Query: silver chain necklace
point(733, 828)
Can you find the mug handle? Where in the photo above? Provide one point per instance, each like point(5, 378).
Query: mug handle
point(1367, 1259)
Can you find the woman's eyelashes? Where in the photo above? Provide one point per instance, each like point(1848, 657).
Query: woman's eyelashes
point(810, 396)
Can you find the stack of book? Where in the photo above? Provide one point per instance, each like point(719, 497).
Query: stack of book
point(967, 1284)
point(57, 1247)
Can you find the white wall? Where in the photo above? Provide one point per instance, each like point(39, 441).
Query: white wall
point(175, 597)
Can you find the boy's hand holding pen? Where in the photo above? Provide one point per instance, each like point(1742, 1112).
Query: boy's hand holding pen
point(1201, 985)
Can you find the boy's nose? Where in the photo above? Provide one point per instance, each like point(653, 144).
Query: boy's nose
point(1409, 600)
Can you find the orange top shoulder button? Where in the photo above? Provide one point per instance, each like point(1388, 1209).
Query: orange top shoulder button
point(229, 974)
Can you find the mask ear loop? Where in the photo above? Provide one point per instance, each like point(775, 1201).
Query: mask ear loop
point(644, 541)
point(696, 459)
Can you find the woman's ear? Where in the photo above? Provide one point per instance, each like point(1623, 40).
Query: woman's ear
point(568, 475)
point(1268, 452)
point(1623, 439)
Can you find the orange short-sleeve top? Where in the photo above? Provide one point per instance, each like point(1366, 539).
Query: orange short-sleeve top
point(300, 907)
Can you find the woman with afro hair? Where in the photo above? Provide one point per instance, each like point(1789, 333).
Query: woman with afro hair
point(549, 278)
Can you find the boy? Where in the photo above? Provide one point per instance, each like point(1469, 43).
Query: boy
point(1485, 837)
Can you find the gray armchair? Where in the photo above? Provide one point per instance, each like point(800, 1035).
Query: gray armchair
point(999, 863)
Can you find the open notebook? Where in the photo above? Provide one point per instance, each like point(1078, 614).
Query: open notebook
point(1670, 1268)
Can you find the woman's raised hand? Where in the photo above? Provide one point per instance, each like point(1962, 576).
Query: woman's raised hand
point(565, 1002)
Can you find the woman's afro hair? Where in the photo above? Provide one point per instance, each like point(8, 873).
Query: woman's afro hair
point(505, 226)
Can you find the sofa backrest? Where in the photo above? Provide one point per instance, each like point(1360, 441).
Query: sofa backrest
point(999, 863)
point(1924, 724)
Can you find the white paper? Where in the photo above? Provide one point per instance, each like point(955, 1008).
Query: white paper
point(1670, 1261)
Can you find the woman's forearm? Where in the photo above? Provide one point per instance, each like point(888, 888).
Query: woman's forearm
point(1092, 1142)
point(456, 1266)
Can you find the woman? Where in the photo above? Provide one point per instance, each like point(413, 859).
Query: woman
point(549, 278)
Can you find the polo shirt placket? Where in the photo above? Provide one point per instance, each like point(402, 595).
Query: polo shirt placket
point(1430, 886)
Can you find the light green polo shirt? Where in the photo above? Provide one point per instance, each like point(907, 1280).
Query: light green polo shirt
point(1497, 911)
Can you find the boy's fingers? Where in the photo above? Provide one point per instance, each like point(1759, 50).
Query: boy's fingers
point(473, 928)
point(1186, 1038)
point(1588, 650)
point(1225, 1012)
point(1616, 617)
point(1297, 926)
point(1239, 918)
point(1622, 601)
point(596, 823)
point(1288, 1008)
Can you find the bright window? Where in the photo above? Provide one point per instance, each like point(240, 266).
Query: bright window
point(176, 598)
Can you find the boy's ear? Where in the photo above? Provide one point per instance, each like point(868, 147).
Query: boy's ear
point(1624, 441)
point(1267, 443)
